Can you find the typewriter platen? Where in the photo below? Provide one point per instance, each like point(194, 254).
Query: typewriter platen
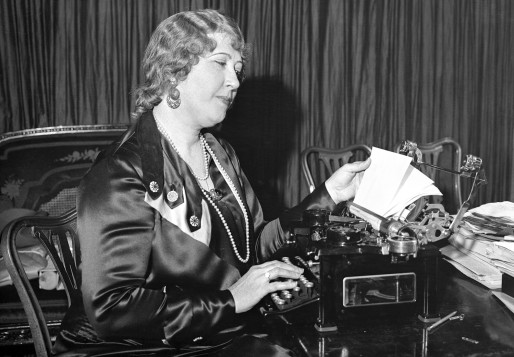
point(354, 265)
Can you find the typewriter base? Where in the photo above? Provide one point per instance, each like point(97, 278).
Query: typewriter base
point(351, 284)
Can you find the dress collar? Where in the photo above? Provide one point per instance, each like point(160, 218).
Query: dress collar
point(153, 149)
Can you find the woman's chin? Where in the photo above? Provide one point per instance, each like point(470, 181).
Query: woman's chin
point(217, 119)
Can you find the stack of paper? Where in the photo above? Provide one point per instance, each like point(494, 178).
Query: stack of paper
point(390, 184)
point(494, 221)
point(473, 267)
point(499, 254)
point(485, 239)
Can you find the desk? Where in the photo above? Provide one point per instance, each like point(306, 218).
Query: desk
point(486, 320)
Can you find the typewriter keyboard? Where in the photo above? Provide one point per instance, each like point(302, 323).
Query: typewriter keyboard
point(304, 293)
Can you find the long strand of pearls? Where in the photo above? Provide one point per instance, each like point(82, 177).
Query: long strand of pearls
point(206, 152)
point(230, 183)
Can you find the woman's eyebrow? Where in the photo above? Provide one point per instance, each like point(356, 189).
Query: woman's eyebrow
point(220, 53)
point(223, 53)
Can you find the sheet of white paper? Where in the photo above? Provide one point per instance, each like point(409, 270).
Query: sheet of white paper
point(415, 185)
point(390, 184)
point(381, 181)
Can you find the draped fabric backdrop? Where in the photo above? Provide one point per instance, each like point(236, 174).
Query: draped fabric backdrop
point(328, 73)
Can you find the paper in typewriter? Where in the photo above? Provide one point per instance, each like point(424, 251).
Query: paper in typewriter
point(391, 183)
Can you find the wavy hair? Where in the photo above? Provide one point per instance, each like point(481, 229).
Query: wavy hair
point(175, 47)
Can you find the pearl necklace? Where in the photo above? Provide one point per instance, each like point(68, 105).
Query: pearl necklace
point(232, 186)
point(208, 151)
point(204, 153)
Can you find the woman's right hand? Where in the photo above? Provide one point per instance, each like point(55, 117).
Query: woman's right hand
point(343, 184)
point(261, 280)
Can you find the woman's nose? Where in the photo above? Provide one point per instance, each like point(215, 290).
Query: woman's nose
point(232, 79)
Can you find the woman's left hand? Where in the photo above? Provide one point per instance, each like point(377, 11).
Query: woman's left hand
point(343, 183)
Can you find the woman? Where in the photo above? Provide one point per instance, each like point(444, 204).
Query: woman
point(173, 241)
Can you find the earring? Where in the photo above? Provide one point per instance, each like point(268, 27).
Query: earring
point(173, 98)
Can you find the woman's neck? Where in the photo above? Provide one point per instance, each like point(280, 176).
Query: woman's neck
point(185, 137)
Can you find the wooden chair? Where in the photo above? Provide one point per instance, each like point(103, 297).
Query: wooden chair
point(59, 238)
point(445, 153)
point(319, 163)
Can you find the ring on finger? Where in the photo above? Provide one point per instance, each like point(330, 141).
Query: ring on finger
point(267, 275)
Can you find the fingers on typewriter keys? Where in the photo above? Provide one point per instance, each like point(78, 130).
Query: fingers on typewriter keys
point(281, 276)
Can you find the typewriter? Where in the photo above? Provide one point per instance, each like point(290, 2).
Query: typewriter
point(353, 265)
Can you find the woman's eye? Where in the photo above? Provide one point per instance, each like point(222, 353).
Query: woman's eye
point(221, 63)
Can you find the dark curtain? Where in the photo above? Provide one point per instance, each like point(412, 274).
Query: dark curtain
point(328, 73)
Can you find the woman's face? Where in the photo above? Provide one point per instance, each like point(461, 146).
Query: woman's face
point(211, 85)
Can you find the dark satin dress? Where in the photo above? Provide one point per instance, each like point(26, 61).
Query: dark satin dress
point(145, 279)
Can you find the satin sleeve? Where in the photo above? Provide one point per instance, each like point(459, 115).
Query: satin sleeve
point(116, 229)
point(271, 235)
